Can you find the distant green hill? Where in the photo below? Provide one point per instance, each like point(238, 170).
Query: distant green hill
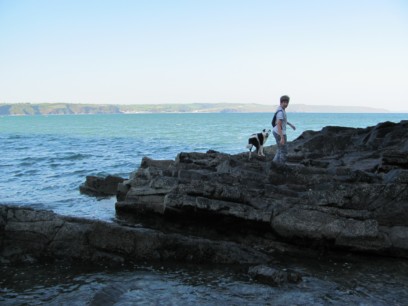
point(56, 109)
point(20, 109)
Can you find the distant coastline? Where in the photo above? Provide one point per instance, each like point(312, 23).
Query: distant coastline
point(21, 109)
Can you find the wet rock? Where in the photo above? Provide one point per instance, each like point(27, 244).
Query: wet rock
point(40, 234)
point(273, 276)
point(109, 295)
point(101, 186)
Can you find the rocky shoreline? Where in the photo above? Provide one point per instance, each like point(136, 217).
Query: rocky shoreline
point(344, 189)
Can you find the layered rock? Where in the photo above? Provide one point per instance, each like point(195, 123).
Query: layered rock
point(28, 235)
point(342, 188)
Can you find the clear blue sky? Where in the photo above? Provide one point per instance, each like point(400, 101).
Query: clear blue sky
point(131, 52)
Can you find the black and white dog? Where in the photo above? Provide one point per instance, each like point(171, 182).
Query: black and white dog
point(258, 141)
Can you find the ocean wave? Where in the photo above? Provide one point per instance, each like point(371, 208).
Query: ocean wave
point(75, 156)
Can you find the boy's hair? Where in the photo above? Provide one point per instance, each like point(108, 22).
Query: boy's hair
point(284, 99)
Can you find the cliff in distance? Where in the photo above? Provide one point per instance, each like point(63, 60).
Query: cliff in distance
point(21, 109)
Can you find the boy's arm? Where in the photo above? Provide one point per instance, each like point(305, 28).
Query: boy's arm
point(282, 139)
point(291, 125)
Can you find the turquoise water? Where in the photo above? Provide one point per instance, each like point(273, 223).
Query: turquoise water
point(44, 159)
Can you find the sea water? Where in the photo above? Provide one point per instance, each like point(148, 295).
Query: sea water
point(44, 160)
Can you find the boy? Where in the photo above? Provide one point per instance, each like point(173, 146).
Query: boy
point(279, 131)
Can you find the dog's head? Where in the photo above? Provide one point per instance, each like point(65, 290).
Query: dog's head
point(266, 133)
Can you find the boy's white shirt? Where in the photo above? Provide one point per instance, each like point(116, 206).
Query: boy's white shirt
point(281, 115)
